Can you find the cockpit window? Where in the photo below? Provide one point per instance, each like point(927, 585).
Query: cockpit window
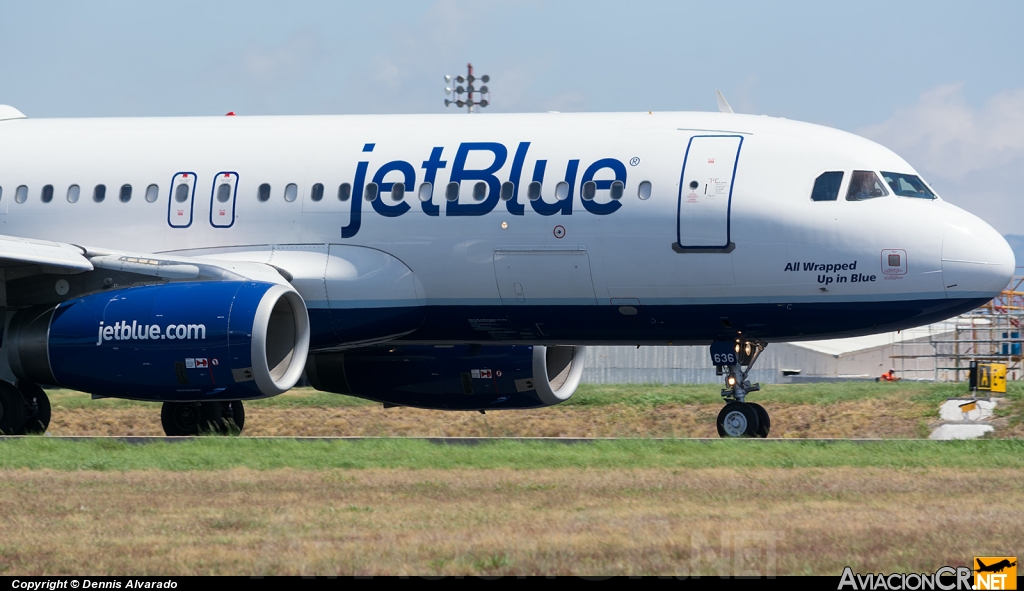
point(826, 186)
point(864, 184)
point(907, 185)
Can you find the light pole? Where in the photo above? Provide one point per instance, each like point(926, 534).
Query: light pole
point(468, 96)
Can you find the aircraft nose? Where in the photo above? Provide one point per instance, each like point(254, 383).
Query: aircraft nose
point(976, 260)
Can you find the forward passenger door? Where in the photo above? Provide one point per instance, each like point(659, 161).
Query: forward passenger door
point(705, 194)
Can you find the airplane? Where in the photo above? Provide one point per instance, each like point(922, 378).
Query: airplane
point(994, 568)
point(450, 262)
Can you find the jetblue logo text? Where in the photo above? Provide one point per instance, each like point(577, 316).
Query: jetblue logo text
point(466, 171)
point(123, 331)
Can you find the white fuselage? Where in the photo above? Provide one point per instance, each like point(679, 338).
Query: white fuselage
point(626, 270)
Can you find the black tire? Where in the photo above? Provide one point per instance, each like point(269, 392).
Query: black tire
point(233, 417)
point(12, 410)
point(186, 419)
point(738, 419)
point(211, 418)
point(180, 419)
point(762, 418)
point(37, 408)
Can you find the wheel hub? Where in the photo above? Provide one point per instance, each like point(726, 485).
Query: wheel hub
point(187, 417)
point(735, 423)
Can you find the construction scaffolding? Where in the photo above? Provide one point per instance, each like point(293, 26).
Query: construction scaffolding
point(989, 334)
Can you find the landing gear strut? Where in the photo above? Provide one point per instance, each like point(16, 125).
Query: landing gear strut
point(739, 418)
point(37, 408)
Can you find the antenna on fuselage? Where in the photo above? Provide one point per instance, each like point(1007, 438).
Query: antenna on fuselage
point(723, 105)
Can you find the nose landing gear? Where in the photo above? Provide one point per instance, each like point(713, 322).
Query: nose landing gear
point(739, 418)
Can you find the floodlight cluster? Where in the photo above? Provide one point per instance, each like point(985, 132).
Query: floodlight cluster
point(470, 95)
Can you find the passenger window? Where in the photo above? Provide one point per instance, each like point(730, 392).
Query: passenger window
point(317, 192)
point(47, 195)
point(126, 193)
point(291, 191)
point(224, 192)
point(826, 186)
point(371, 191)
point(426, 191)
point(451, 192)
point(397, 191)
point(618, 188)
point(865, 184)
point(479, 191)
point(263, 195)
point(180, 194)
point(344, 192)
point(561, 190)
point(644, 190)
point(507, 189)
point(1, 193)
point(533, 191)
point(589, 190)
point(152, 193)
point(100, 193)
point(21, 194)
point(73, 192)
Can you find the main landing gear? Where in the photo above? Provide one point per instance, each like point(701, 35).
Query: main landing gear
point(203, 418)
point(739, 418)
point(24, 409)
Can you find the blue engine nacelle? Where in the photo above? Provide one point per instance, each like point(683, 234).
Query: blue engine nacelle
point(213, 340)
point(463, 377)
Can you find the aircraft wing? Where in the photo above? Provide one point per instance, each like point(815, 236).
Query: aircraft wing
point(43, 257)
point(54, 257)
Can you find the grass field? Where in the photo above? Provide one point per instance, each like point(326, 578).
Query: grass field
point(226, 505)
point(851, 409)
point(263, 507)
point(222, 453)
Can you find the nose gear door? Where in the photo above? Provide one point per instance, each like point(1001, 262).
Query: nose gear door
point(705, 194)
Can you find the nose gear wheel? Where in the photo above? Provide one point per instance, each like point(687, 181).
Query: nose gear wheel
point(738, 419)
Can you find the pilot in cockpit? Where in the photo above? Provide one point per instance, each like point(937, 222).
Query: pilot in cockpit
point(864, 185)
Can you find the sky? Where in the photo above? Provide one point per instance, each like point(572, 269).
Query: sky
point(941, 83)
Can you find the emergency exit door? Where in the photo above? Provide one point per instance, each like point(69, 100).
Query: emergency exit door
point(705, 194)
point(222, 200)
point(183, 192)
